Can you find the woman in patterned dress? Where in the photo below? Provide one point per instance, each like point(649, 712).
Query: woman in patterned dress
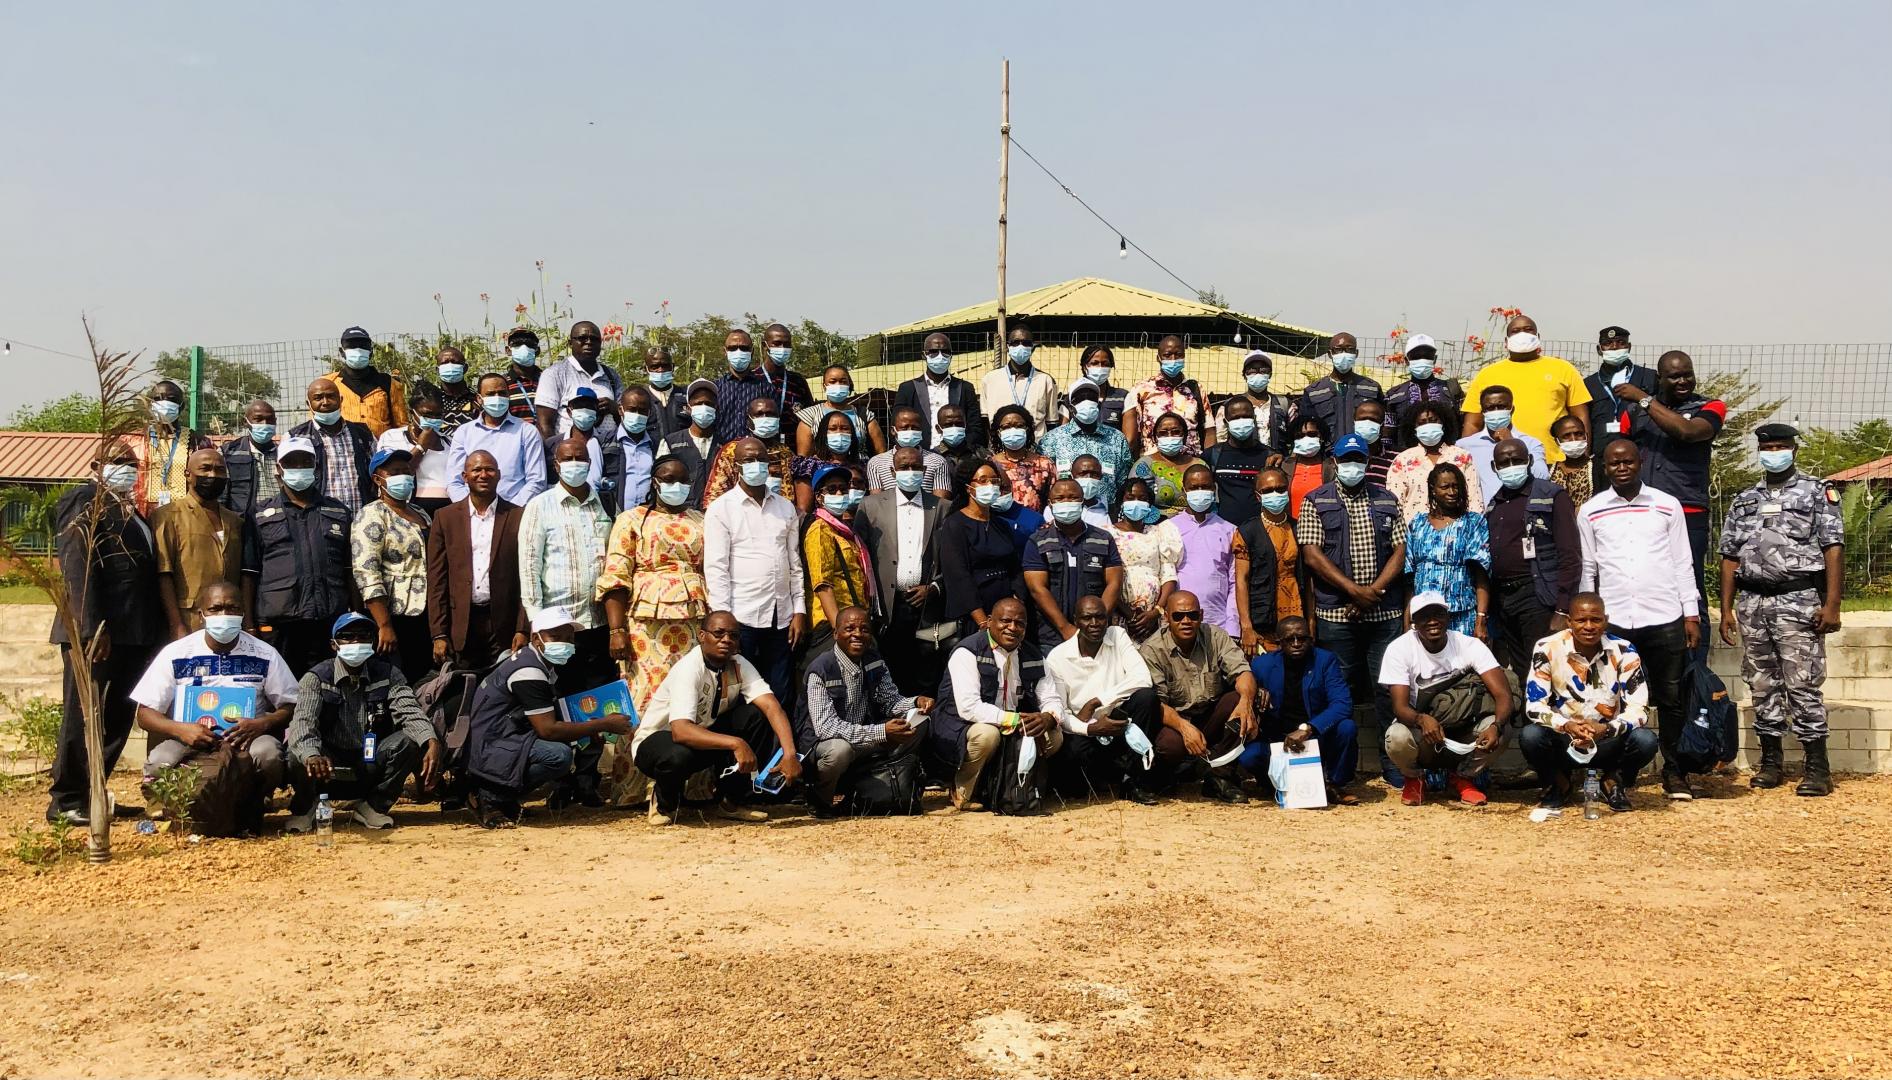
point(1150, 548)
point(1448, 551)
point(389, 549)
point(1166, 463)
point(1430, 435)
point(1013, 450)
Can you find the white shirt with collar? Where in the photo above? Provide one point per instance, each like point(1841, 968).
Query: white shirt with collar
point(964, 669)
point(910, 524)
point(1636, 556)
point(480, 533)
point(1116, 672)
point(689, 692)
point(752, 558)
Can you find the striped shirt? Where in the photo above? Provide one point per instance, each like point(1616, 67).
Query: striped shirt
point(340, 481)
point(562, 543)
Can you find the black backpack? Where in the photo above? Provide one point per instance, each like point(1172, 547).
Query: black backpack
point(888, 787)
point(1712, 733)
point(1000, 787)
point(446, 697)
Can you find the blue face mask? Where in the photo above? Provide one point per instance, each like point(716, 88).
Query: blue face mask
point(780, 354)
point(766, 427)
point(1242, 428)
point(1170, 445)
point(355, 653)
point(1368, 430)
point(1004, 502)
point(906, 437)
point(939, 365)
point(952, 436)
point(262, 434)
point(1350, 473)
point(703, 416)
point(557, 653)
point(1274, 501)
point(1430, 434)
point(986, 494)
point(432, 423)
point(1199, 500)
point(1777, 461)
point(356, 359)
point(1136, 510)
point(840, 442)
point(838, 392)
point(574, 473)
point(1014, 438)
point(1343, 362)
point(636, 422)
point(400, 488)
point(1615, 357)
point(327, 419)
point(909, 480)
point(1171, 369)
point(662, 380)
point(1091, 485)
point(496, 405)
point(1020, 355)
point(451, 373)
point(1420, 368)
point(855, 497)
point(739, 359)
point(836, 504)
point(1066, 513)
point(1513, 476)
point(1497, 419)
point(1307, 446)
point(584, 419)
point(673, 494)
point(1258, 382)
point(1099, 375)
point(223, 628)
point(165, 412)
point(1085, 412)
point(525, 356)
point(298, 479)
point(755, 473)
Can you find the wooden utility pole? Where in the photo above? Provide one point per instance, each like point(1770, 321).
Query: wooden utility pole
point(1005, 168)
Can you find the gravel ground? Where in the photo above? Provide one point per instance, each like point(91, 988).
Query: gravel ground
point(1739, 936)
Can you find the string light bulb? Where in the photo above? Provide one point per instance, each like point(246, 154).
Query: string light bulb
point(1123, 248)
point(1238, 335)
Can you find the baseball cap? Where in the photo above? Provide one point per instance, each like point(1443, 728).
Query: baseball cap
point(1085, 388)
point(1424, 600)
point(1611, 333)
point(383, 456)
point(356, 335)
point(584, 392)
point(521, 332)
point(346, 620)
point(690, 390)
point(295, 444)
point(1420, 341)
point(551, 618)
point(1350, 444)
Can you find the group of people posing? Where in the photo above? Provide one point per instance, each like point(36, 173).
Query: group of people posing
point(1107, 589)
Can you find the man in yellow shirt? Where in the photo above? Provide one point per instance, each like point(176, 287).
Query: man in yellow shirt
point(1543, 388)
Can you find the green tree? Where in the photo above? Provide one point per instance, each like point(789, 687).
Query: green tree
point(1212, 298)
point(228, 385)
point(74, 412)
point(1824, 451)
point(1867, 517)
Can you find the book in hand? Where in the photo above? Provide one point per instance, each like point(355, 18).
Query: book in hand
point(611, 699)
point(223, 706)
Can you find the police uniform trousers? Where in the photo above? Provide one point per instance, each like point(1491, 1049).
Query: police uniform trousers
point(1783, 660)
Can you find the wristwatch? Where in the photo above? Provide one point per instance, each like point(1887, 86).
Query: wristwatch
point(1644, 402)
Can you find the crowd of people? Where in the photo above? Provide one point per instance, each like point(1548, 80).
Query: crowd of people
point(1123, 586)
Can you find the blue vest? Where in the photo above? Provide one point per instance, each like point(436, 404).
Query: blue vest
point(1382, 508)
point(499, 737)
point(1069, 584)
point(1541, 506)
point(949, 728)
point(827, 668)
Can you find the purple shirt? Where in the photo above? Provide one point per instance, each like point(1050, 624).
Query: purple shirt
point(1208, 567)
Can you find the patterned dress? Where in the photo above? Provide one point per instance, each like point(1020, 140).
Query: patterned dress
point(1155, 396)
point(1031, 477)
point(1411, 472)
point(390, 555)
point(1150, 559)
point(1166, 480)
point(1439, 560)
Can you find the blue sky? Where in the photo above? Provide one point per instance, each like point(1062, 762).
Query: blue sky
point(243, 173)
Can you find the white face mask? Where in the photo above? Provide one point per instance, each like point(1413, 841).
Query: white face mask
point(1574, 448)
point(1522, 343)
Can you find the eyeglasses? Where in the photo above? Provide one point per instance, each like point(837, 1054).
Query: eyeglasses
point(1185, 616)
point(1292, 639)
point(721, 635)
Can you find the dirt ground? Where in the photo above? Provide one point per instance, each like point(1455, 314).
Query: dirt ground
point(1740, 936)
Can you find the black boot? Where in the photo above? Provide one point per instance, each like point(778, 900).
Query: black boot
point(1769, 774)
point(1815, 778)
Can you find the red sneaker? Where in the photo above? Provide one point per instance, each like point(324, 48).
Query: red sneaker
point(1467, 791)
point(1414, 792)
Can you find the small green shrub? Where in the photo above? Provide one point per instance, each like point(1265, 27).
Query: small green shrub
point(43, 848)
point(35, 725)
point(175, 788)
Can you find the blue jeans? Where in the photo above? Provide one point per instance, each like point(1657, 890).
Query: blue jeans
point(1339, 753)
point(1619, 756)
point(554, 762)
point(768, 650)
point(1361, 646)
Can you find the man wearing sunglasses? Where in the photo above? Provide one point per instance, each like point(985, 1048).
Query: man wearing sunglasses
point(1208, 695)
point(1307, 698)
point(936, 389)
point(559, 383)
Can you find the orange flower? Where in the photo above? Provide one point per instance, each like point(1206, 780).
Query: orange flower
point(612, 331)
point(519, 310)
point(485, 298)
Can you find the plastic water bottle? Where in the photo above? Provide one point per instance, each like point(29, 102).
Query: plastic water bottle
point(1592, 796)
point(324, 822)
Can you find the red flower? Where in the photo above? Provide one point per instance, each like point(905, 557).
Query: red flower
point(519, 310)
point(485, 298)
point(612, 331)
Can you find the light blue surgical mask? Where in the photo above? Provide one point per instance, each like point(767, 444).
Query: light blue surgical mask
point(906, 437)
point(1420, 368)
point(1343, 362)
point(838, 392)
point(1170, 445)
point(1497, 419)
point(939, 365)
point(558, 653)
point(1274, 502)
point(120, 478)
point(574, 473)
point(661, 380)
point(1368, 430)
point(1199, 500)
point(165, 412)
point(1242, 428)
point(223, 628)
point(355, 653)
point(525, 356)
point(739, 359)
point(1066, 513)
point(1014, 438)
point(432, 423)
point(1004, 502)
point(1350, 473)
point(356, 359)
point(584, 419)
point(840, 442)
point(755, 473)
point(836, 504)
point(909, 480)
point(298, 479)
point(774, 484)
point(766, 427)
point(856, 496)
point(1091, 485)
point(636, 422)
point(1307, 446)
point(329, 418)
point(1514, 476)
point(703, 416)
point(1171, 369)
point(1020, 355)
point(986, 494)
point(400, 488)
point(1615, 357)
point(673, 494)
point(1085, 412)
point(1135, 510)
point(1776, 461)
point(451, 373)
point(780, 354)
point(952, 436)
point(262, 434)
point(496, 405)
point(1430, 434)
point(1258, 381)
point(1099, 375)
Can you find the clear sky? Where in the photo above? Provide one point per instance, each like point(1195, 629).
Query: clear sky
point(222, 173)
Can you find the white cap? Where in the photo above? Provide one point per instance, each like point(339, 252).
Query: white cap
point(552, 618)
point(1417, 340)
point(295, 444)
point(1420, 602)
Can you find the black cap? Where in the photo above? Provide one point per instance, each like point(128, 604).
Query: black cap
point(1087, 389)
point(356, 333)
point(526, 332)
point(1611, 333)
point(1770, 432)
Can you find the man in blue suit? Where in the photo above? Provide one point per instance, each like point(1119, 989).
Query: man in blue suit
point(1307, 698)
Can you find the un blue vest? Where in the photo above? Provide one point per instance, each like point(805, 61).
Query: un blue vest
point(949, 728)
point(1382, 508)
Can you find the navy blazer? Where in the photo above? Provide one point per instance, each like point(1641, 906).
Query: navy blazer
point(1323, 689)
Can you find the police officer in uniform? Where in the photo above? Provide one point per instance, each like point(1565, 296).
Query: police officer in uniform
point(1781, 568)
point(1614, 370)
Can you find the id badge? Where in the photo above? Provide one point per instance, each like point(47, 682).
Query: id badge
point(1530, 546)
point(1770, 508)
point(164, 497)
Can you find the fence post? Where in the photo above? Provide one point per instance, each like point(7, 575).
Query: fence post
point(197, 384)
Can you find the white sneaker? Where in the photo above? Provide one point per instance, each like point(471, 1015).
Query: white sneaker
point(370, 818)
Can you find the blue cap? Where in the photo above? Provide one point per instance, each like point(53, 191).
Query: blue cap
point(346, 620)
point(583, 392)
point(822, 473)
point(1350, 444)
point(383, 456)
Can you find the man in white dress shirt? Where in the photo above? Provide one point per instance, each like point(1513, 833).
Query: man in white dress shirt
point(1636, 556)
point(752, 568)
point(1107, 691)
point(995, 687)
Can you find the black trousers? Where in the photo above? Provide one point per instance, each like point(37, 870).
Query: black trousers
point(415, 649)
point(1519, 621)
point(916, 666)
point(1086, 766)
point(303, 643)
point(115, 675)
point(395, 759)
point(591, 666)
point(669, 763)
point(1664, 652)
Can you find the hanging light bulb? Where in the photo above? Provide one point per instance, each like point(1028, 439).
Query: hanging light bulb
point(7, 350)
point(1123, 248)
point(1238, 335)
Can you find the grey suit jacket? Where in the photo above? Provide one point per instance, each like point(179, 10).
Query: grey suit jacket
point(877, 524)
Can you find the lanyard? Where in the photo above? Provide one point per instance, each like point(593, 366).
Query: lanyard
point(177, 436)
point(1020, 399)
